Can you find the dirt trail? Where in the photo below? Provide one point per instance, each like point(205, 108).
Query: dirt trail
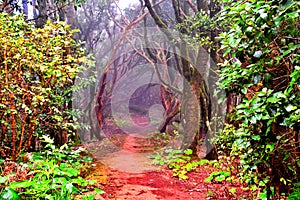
point(129, 175)
point(131, 158)
point(124, 171)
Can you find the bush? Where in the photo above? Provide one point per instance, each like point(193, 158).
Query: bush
point(38, 67)
point(54, 173)
point(261, 46)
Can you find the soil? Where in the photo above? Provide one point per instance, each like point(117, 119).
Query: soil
point(124, 171)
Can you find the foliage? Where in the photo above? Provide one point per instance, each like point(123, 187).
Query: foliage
point(51, 174)
point(217, 176)
point(199, 28)
point(177, 160)
point(295, 192)
point(260, 43)
point(38, 67)
point(162, 139)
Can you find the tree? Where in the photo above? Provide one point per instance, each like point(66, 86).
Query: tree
point(125, 30)
point(38, 67)
point(196, 115)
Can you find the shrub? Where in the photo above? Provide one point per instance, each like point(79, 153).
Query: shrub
point(54, 173)
point(38, 67)
point(261, 46)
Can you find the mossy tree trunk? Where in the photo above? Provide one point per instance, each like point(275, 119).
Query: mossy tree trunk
point(196, 104)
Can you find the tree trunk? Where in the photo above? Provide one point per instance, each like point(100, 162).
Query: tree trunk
point(171, 106)
point(196, 107)
point(190, 103)
point(71, 18)
point(42, 17)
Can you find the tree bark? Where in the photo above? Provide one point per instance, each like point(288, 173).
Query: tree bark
point(42, 17)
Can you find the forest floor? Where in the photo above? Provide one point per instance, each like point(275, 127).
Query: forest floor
point(124, 171)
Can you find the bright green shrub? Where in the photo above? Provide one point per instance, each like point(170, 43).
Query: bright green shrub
point(37, 70)
point(54, 173)
point(260, 42)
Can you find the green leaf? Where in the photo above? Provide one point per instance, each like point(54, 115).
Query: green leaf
point(263, 15)
point(257, 54)
point(263, 195)
point(183, 176)
point(232, 190)
point(188, 152)
point(270, 147)
point(255, 137)
point(60, 180)
point(209, 179)
point(3, 179)
point(69, 171)
point(286, 156)
point(203, 162)
point(220, 178)
point(189, 166)
point(47, 139)
point(22, 184)
point(9, 194)
point(71, 188)
point(290, 107)
point(244, 90)
point(225, 173)
point(98, 191)
point(273, 99)
point(87, 159)
point(253, 120)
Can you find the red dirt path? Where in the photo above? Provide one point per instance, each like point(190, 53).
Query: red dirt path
point(149, 183)
point(158, 184)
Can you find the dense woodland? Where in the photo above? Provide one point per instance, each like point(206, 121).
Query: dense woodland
point(227, 79)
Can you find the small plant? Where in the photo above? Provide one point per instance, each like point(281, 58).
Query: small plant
point(218, 176)
point(51, 174)
point(232, 190)
point(160, 139)
point(122, 123)
point(296, 192)
point(210, 194)
point(178, 161)
point(165, 156)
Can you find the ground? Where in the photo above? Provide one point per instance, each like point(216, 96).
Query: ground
point(124, 171)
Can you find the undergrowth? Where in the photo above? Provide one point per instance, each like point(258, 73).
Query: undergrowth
point(179, 161)
point(54, 173)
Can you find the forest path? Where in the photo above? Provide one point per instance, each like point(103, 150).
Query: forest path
point(128, 174)
point(124, 171)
